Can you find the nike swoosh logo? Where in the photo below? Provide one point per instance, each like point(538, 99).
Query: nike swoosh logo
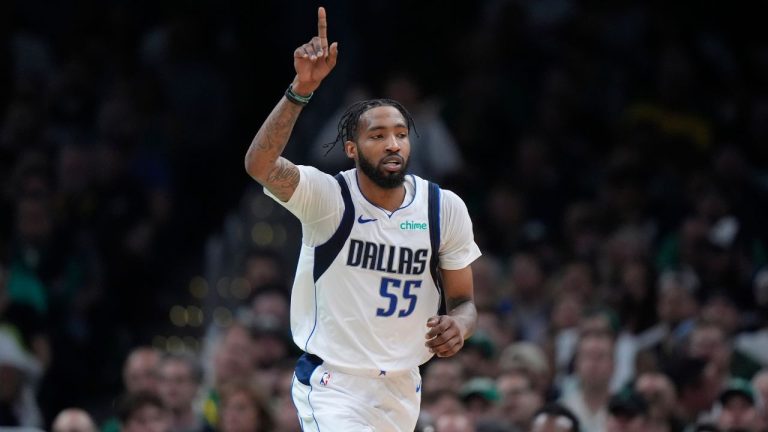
point(362, 221)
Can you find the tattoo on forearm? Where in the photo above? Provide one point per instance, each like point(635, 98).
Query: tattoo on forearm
point(277, 129)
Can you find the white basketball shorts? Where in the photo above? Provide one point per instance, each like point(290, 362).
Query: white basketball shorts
point(332, 400)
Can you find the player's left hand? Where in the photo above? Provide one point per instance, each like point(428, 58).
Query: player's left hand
point(445, 336)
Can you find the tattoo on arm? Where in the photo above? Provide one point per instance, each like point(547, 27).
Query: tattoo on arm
point(283, 179)
point(263, 161)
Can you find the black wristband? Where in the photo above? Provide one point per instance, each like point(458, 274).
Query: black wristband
point(297, 99)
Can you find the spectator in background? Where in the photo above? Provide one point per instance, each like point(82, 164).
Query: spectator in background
point(180, 380)
point(738, 412)
point(454, 422)
point(519, 400)
point(602, 320)
point(659, 392)
point(233, 361)
point(143, 412)
point(286, 419)
point(479, 396)
point(554, 417)
point(637, 302)
point(755, 343)
point(627, 412)
point(245, 408)
point(529, 359)
point(528, 297)
point(18, 372)
point(263, 268)
point(444, 375)
point(273, 344)
point(434, 152)
point(594, 364)
point(760, 385)
point(677, 308)
point(438, 404)
point(73, 420)
point(479, 355)
point(720, 309)
point(710, 342)
point(270, 307)
point(697, 385)
point(140, 375)
point(140, 372)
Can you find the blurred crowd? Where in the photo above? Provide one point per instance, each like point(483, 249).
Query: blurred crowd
point(612, 155)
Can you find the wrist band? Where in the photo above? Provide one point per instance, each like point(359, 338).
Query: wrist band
point(297, 99)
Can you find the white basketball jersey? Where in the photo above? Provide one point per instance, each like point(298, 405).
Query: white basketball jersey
point(361, 300)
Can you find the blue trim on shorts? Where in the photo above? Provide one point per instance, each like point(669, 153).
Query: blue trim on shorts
point(305, 366)
point(312, 408)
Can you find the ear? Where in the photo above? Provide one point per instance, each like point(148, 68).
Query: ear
point(350, 148)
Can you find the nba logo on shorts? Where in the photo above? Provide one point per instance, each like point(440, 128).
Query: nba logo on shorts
point(325, 378)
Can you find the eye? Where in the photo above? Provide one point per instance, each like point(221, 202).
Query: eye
point(402, 135)
point(377, 137)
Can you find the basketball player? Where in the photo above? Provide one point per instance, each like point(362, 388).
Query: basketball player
point(380, 249)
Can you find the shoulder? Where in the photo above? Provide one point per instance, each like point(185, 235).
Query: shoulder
point(311, 172)
point(315, 181)
point(452, 204)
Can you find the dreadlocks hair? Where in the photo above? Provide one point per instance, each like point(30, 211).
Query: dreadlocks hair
point(347, 129)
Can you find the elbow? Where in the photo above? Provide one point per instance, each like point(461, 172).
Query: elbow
point(248, 165)
point(251, 167)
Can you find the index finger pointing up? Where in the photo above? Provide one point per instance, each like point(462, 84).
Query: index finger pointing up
point(322, 29)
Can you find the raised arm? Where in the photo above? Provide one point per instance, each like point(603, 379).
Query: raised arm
point(313, 61)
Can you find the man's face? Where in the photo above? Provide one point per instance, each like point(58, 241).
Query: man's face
point(519, 401)
point(625, 423)
point(148, 418)
point(594, 362)
point(177, 386)
point(140, 372)
point(738, 413)
point(382, 147)
point(239, 414)
point(551, 423)
point(234, 356)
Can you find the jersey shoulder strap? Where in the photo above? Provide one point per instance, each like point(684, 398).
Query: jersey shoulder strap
point(327, 252)
point(433, 219)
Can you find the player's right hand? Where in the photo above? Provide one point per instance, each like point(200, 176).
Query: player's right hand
point(314, 60)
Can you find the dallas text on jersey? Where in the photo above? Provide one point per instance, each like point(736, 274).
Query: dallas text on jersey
point(399, 260)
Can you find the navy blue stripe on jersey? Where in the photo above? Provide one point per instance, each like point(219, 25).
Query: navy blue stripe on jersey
point(434, 238)
point(307, 364)
point(327, 252)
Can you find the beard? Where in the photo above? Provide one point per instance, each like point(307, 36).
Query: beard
point(380, 176)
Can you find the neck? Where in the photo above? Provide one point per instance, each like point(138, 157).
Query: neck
point(388, 199)
point(184, 418)
point(595, 398)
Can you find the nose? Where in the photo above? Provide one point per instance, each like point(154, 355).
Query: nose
point(392, 144)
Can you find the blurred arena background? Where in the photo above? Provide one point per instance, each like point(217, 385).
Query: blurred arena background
point(612, 155)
